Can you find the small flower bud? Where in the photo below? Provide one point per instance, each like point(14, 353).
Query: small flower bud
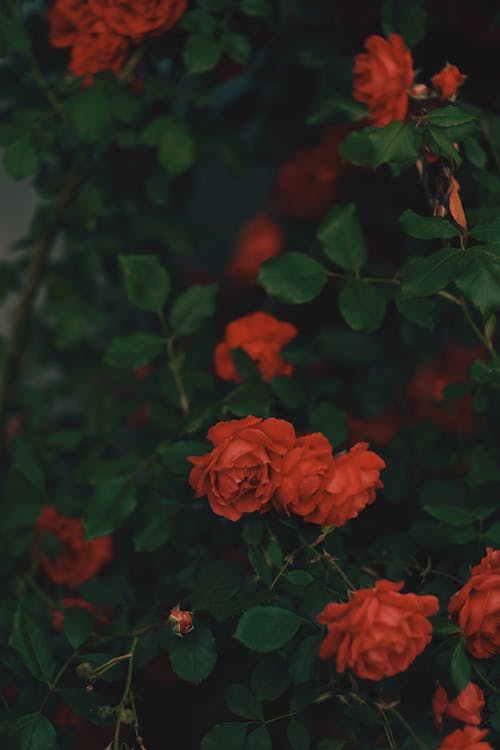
point(85, 670)
point(127, 716)
point(180, 621)
point(105, 712)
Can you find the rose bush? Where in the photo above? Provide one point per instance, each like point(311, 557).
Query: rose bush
point(249, 375)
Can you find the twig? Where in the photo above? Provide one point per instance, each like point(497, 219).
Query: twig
point(16, 339)
point(173, 363)
point(126, 691)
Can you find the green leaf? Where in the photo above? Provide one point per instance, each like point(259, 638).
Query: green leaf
point(201, 52)
point(357, 148)
point(176, 148)
point(255, 7)
point(480, 280)
point(340, 232)
point(448, 116)
point(460, 668)
point(450, 514)
point(270, 678)
point(174, 456)
point(147, 283)
point(329, 105)
point(112, 503)
point(237, 46)
point(492, 535)
point(426, 227)
point(298, 735)
point(485, 372)
point(33, 645)
point(442, 626)
point(408, 18)
point(193, 655)
point(441, 143)
point(78, 625)
point(487, 232)
point(192, 308)
point(249, 398)
point(304, 661)
point(293, 277)
point(419, 311)
point(91, 113)
point(299, 577)
point(266, 629)
point(259, 739)
point(424, 276)
point(242, 702)
point(34, 732)
point(135, 350)
point(229, 736)
point(396, 143)
point(20, 158)
point(325, 417)
point(217, 583)
point(361, 305)
point(155, 526)
point(26, 463)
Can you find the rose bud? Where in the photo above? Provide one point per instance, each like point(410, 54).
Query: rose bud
point(447, 81)
point(468, 738)
point(180, 620)
point(466, 707)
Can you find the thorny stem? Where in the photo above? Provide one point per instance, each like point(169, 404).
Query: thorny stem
point(331, 561)
point(126, 691)
point(173, 364)
point(408, 728)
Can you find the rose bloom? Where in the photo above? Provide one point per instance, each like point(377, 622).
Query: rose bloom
point(260, 239)
point(349, 486)
point(97, 47)
point(468, 738)
point(378, 632)
point(383, 75)
point(465, 707)
point(447, 81)
point(139, 19)
point(307, 183)
point(305, 470)
point(476, 607)
point(100, 613)
point(240, 475)
point(65, 17)
point(262, 337)
point(425, 391)
point(380, 429)
point(78, 560)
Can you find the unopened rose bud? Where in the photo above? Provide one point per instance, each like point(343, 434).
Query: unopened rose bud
point(105, 712)
point(419, 91)
point(180, 620)
point(85, 670)
point(127, 716)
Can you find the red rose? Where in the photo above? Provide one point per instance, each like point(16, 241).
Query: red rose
point(242, 472)
point(380, 429)
point(447, 81)
point(260, 239)
point(305, 469)
point(468, 738)
point(349, 487)
point(425, 390)
point(100, 613)
point(307, 183)
point(476, 607)
point(383, 75)
point(65, 17)
point(262, 337)
point(378, 632)
point(96, 47)
point(77, 560)
point(180, 620)
point(139, 19)
point(466, 707)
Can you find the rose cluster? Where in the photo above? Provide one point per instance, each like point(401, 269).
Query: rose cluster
point(258, 464)
point(100, 32)
point(384, 75)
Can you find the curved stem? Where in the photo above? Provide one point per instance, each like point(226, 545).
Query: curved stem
point(173, 363)
point(14, 347)
point(126, 691)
